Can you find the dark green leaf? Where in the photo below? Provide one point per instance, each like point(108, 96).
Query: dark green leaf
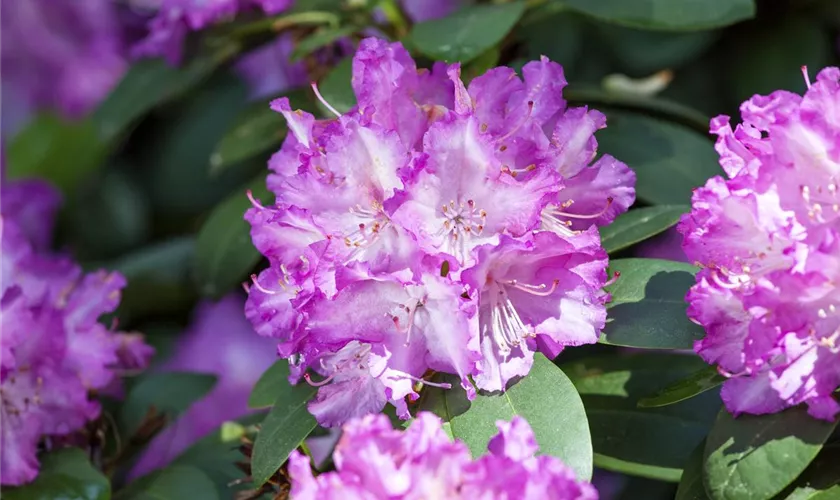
point(320, 38)
point(148, 83)
point(467, 33)
point(754, 457)
point(699, 382)
point(641, 52)
point(60, 151)
point(258, 129)
point(168, 393)
point(556, 35)
point(691, 483)
point(286, 426)
point(545, 398)
point(638, 225)
point(217, 453)
point(648, 309)
point(178, 482)
point(669, 15)
point(176, 162)
point(647, 442)
point(65, 474)
point(669, 160)
point(271, 383)
point(821, 480)
point(337, 90)
point(158, 278)
point(224, 253)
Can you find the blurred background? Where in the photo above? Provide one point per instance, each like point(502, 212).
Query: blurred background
point(152, 118)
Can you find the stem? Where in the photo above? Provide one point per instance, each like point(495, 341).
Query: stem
point(280, 23)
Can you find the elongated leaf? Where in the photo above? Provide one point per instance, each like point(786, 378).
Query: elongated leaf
point(545, 398)
point(177, 482)
point(337, 89)
point(754, 457)
point(148, 83)
point(647, 442)
point(60, 151)
point(647, 309)
point(271, 382)
point(64, 474)
point(467, 33)
point(670, 160)
point(691, 483)
point(286, 426)
point(639, 224)
point(699, 382)
point(671, 15)
point(257, 129)
point(168, 393)
point(224, 253)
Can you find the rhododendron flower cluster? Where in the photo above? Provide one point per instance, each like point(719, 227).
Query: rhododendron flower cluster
point(433, 227)
point(768, 238)
point(54, 350)
point(375, 461)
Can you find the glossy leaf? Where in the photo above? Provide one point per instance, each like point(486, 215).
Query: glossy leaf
point(638, 225)
point(754, 457)
point(167, 393)
point(671, 15)
point(257, 129)
point(64, 474)
point(337, 89)
point(699, 382)
point(55, 149)
point(224, 254)
point(647, 442)
point(267, 387)
point(648, 309)
point(286, 426)
point(177, 482)
point(467, 33)
point(670, 160)
point(545, 398)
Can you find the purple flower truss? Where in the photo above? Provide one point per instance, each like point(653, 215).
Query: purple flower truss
point(768, 239)
point(53, 350)
point(433, 227)
point(375, 461)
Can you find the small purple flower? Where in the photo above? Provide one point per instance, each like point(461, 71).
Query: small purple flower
point(54, 350)
point(375, 461)
point(408, 235)
point(767, 239)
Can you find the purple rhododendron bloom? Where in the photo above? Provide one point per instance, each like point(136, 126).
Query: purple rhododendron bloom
point(375, 461)
point(53, 349)
point(767, 238)
point(433, 228)
point(59, 55)
point(221, 342)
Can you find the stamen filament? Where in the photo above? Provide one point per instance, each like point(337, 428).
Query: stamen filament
point(324, 101)
point(520, 124)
